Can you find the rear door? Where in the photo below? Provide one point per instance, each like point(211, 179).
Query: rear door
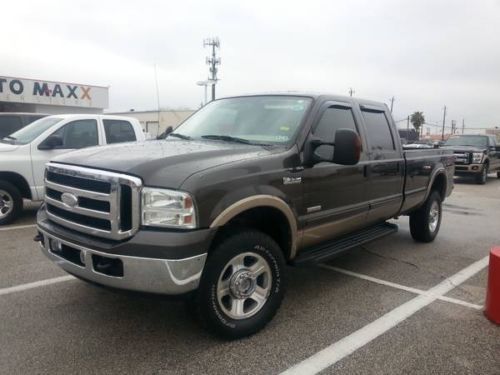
point(334, 194)
point(385, 169)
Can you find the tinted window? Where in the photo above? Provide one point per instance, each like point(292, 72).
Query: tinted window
point(333, 118)
point(79, 134)
point(9, 124)
point(379, 133)
point(119, 131)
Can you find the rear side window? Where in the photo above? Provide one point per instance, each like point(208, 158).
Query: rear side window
point(119, 131)
point(378, 131)
point(9, 125)
point(333, 118)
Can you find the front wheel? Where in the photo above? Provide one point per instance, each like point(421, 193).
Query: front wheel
point(426, 221)
point(242, 285)
point(11, 203)
point(483, 176)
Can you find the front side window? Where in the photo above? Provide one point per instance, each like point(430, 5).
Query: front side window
point(253, 119)
point(332, 119)
point(378, 131)
point(78, 134)
point(118, 131)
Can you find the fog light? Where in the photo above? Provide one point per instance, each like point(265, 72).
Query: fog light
point(55, 245)
point(475, 168)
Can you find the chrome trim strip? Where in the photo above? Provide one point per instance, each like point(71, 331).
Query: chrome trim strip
point(79, 210)
point(80, 192)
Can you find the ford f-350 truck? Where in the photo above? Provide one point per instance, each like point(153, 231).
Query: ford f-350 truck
point(243, 187)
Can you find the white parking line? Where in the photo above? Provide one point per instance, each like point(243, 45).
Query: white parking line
point(349, 344)
point(36, 284)
point(399, 286)
point(17, 227)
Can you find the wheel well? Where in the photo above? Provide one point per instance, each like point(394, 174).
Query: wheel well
point(269, 220)
point(439, 185)
point(19, 181)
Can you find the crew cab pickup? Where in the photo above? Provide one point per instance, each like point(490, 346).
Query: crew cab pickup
point(475, 156)
point(24, 153)
point(244, 186)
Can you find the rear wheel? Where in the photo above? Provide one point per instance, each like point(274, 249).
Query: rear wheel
point(426, 221)
point(483, 176)
point(498, 174)
point(242, 285)
point(11, 202)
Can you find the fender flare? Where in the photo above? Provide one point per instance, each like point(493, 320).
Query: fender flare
point(434, 175)
point(260, 201)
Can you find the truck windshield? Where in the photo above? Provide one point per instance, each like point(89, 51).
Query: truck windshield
point(30, 132)
point(468, 140)
point(251, 120)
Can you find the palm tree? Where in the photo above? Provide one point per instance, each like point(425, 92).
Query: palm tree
point(417, 119)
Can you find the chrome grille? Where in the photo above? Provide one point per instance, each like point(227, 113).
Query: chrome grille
point(92, 201)
point(463, 158)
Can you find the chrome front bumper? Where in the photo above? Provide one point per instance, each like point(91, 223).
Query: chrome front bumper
point(162, 276)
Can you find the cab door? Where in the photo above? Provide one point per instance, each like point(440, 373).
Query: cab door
point(385, 168)
point(335, 201)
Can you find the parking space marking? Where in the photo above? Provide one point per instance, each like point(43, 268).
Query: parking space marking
point(17, 227)
point(349, 344)
point(36, 284)
point(399, 286)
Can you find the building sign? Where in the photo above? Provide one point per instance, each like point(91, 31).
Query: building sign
point(21, 90)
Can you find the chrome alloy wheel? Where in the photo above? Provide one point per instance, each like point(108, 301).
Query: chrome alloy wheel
point(433, 216)
point(6, 204)
point(244, 285)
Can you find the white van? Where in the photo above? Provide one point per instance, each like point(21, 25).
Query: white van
point(23, 154)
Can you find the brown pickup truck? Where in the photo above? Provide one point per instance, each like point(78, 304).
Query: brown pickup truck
point(243, 187)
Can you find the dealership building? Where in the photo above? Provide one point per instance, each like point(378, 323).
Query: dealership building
point(40, 96)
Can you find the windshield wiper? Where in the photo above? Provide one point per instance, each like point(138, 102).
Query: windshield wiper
point(10, 137)
point(181, 136)
point(229, 138)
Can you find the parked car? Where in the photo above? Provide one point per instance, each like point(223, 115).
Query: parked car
point(475, 155)
point(242, 187)
point(11, 122)
point(24, 153)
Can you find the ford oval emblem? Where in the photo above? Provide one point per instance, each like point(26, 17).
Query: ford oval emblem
point(69, 199)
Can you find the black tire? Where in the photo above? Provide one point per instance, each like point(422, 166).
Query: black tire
point(498, 174)
point(210, 307)
point(483, 176)
point(420, 221)
point(11, 203)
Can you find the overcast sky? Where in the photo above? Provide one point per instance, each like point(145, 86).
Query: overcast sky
point(424, 53)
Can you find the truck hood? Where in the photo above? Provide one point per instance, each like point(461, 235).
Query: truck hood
point(6, 147)
point(165, 163)
point(464, 148)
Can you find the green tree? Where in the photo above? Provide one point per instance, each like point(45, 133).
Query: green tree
point(417, 119)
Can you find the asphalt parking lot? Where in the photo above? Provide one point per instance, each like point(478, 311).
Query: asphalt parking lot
point(369, 311)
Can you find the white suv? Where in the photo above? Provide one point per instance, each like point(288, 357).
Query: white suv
point(23, 154)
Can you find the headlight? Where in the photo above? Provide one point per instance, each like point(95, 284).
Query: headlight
point(167, 208)
point(477, 157)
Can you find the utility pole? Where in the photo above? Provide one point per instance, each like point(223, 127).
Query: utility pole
point(453, 126)
point(351, 91)
point(213, 61)
point(444, 119)
point(463, 126)
point(392, 103)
